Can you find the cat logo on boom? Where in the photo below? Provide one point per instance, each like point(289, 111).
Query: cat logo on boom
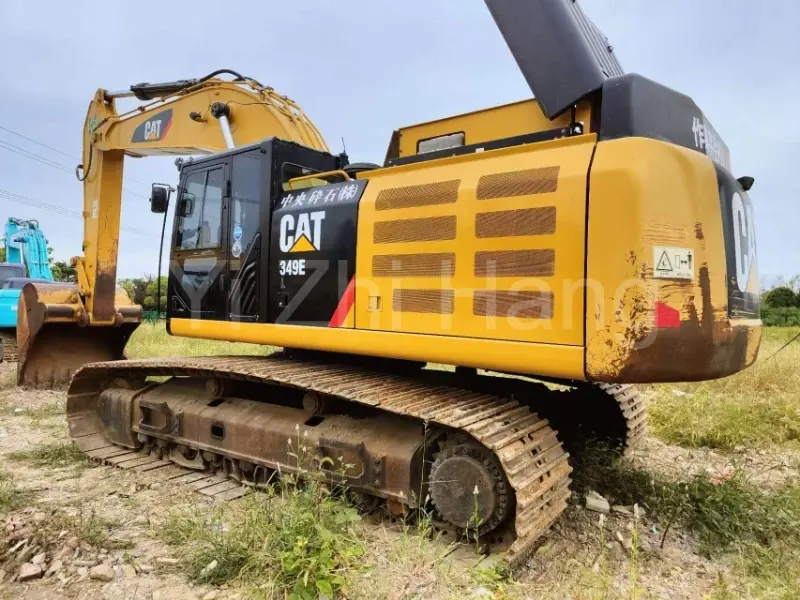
point(302, 233)
point(154, 129)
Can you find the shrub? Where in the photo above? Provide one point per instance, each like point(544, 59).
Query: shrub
point(781, 297)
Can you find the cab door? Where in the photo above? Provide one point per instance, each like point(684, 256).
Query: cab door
point(198, 265)
point(249, 193)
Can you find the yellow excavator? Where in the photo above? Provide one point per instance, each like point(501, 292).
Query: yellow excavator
point(593, 237)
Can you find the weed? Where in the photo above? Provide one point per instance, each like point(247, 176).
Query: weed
point(89, 527)
point(722, 590)
point(298, 536)
point(52, 455)
point(770, 571)
point(634, 555)
point(11, 497)
point(598, 581)
point(723, 512)
point(496, 578)
point(46, 411)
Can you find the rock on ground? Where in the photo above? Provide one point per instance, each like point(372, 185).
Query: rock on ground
point(102, 573)
point(595, 502)
point(30, 571)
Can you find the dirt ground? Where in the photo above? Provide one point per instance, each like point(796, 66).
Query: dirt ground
point(577, 559)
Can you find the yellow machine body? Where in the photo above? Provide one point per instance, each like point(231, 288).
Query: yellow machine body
point(499, 260)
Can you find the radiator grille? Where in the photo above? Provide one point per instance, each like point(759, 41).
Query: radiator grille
point(415, 230)
point(521, 305)
point(518, 183)
point(423, 301)
point(515, 263)
point(414, 265)
point(428, 194)
point(506, 223)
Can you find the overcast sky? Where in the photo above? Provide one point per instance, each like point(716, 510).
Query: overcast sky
point(362, 68)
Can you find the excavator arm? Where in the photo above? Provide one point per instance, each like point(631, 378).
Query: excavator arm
point(187, 117)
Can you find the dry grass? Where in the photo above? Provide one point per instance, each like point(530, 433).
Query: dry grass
point(759, 407)
point(11, 497)
point(54, 455)
point(8, 376)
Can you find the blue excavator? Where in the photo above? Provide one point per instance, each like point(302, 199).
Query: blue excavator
point(26, 261)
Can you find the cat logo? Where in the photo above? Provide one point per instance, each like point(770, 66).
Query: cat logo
point(744, 240)
point(154, 129)
point(302, 233)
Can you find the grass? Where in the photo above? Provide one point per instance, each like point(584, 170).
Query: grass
point(297, 539)
point(53, 455)
point(759, 407)
point(46, 411)
point(151, 339)
point(723, 511)
point(760, 527)
point(11, 497)
point(89, 527)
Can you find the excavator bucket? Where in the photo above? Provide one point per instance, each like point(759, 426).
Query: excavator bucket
point(55, 339)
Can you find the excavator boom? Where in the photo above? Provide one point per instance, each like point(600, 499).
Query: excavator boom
point(188, 117)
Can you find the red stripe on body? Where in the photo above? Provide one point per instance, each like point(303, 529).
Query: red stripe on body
point(166, 130)
point(345, 304)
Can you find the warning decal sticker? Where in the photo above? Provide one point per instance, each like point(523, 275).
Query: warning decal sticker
point(673, 263)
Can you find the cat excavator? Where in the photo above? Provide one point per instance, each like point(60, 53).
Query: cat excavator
point(592, 237)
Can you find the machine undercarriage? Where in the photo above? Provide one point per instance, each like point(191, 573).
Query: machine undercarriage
point(487, 464)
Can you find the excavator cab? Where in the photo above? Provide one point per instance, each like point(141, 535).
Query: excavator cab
point(225, 233)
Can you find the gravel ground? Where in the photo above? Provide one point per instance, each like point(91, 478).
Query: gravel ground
point(575, 560)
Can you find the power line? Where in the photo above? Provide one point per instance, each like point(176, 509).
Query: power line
point(32, 156)
point(24, 137)
point(66, 212)
point(51, 163)
point(31, 140)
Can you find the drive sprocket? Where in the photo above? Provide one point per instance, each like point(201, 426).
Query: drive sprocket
point(468, 488)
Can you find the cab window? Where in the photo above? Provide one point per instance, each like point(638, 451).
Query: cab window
point(200, 211)
point(246, 196)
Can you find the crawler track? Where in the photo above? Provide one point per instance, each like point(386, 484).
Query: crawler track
point(634, 410)
point(526, 447)
point(9, 343)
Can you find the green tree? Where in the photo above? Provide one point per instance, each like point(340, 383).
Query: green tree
point(137, 288)
point(150, 302)
point(63, 271)
point(781, 297)
point(2, 254)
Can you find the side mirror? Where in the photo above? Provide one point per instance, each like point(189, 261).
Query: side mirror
point(187, 204)
point(746, 183)
point(159, 198)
